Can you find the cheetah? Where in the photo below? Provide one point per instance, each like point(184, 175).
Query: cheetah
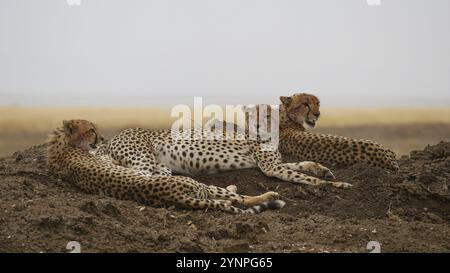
point(300, 112)
point(69, 157)
point(195, 151)
point(297, 114)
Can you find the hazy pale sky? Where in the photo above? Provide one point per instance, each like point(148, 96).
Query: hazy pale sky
point(127, 52)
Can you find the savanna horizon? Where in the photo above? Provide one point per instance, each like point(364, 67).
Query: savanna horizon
point(401, 128)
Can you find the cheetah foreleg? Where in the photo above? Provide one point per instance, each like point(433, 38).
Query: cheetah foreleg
point(285, 174)
point(312, 167)
point(257, 200)
point(253, 200)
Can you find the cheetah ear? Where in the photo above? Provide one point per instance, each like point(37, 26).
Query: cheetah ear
point(68, 126)
point(285, 100)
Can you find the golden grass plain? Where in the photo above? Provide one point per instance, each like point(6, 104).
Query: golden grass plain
point(21, 127)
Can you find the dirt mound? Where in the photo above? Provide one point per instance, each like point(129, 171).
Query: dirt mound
point(407, 211)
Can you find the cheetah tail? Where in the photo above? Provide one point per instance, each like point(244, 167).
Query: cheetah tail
point(267, 205)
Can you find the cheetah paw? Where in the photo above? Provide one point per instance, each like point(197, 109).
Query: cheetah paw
point(270, 195)
point(232, 188)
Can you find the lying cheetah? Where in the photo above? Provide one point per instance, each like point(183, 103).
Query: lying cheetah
point(163, 152)
point(69, 157)
point(300, 112)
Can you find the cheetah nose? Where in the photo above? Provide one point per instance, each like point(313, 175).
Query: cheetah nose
point(317, 114)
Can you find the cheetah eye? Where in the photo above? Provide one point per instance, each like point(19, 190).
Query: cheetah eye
point(306, 104)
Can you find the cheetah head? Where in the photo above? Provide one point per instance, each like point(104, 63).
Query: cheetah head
point(82, 134)
point(302, 108)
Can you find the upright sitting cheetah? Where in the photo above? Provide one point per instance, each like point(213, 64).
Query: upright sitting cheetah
point(69, 157)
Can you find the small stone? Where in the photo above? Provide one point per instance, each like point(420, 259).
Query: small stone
point(111, 210)
point(237, 248)
point(391, 216)
point(194, 227)
point(192, 247)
